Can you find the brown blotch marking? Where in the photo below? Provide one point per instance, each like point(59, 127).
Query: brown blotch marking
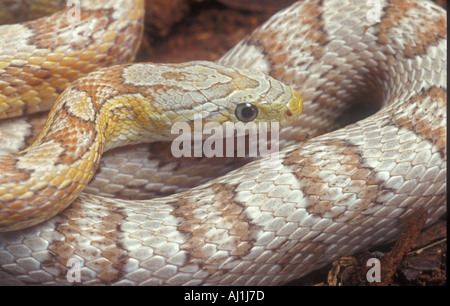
point(155, 91)
point(10, 173)
point(277, 51)
point(313, 17)
point(313, 187)
point(103, 85)
point(21, 79)
point(393, 13)
point(113, 251)
point(47, 36)
point(232, 213)
point(420, 123)
point(428, 32)
point(17, 77)
point(68, 136)
point(237, 81)
point(37, 121)
point(108, 247)
point(61, 249)
point(227, 89)
point(44, 29)
point(174, 75)
point(108, 83)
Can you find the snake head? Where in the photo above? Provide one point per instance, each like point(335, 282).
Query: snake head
point(261, 98)
point(215, 92)
point(168, 94)
point(246, 95)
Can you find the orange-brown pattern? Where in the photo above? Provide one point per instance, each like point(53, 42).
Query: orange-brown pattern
point(40, 58)
point(102, 111)
point(330, 196)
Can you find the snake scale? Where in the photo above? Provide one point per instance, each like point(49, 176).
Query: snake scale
point(328, 196)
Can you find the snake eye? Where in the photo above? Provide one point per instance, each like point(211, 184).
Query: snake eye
point(246, 112)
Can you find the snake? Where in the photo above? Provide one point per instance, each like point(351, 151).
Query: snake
point(324, 197)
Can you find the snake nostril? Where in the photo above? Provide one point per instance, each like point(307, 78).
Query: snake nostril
point(288, 114)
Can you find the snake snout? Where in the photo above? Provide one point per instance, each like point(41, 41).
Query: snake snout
point(294, 106)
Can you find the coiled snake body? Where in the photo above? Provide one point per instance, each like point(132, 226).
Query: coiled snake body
point(330, 196)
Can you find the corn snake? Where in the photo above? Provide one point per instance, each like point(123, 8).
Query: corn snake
point(378, 169)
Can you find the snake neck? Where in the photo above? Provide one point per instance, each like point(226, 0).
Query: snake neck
point(45, 178)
